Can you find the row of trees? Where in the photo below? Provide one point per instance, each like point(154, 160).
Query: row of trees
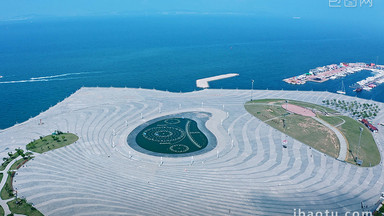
point(11, 156)
point(354, 108)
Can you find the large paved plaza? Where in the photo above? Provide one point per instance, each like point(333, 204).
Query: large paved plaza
point(247, 173)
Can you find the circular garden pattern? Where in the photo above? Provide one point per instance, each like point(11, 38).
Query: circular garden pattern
point(172, 136)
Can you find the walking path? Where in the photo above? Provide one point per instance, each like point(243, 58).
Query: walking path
point(3, 203)
point(343, 142)
point(338, 125)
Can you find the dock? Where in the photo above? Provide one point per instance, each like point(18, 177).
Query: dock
point(335, 71)
point(204, 83)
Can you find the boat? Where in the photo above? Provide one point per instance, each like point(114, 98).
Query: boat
point(358, 89)
point(342, 90)
point(333, 77)
point(1, 76)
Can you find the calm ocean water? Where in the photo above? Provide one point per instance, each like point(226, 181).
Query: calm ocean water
point(45, 61)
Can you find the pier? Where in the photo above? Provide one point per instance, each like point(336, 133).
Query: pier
point(335, 71)
point(203, 83)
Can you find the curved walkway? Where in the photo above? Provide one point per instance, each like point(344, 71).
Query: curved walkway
point(3, 203)
point(343, 142)
point(250, 174)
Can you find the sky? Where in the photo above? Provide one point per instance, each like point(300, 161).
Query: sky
point(308, 9)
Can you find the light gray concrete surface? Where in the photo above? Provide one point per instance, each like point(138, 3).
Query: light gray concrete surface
point(249, 173)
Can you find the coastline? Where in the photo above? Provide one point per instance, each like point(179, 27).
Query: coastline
point(334, 71)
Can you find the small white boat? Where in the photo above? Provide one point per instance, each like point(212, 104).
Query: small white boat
point(332, 77)
point(342, 91)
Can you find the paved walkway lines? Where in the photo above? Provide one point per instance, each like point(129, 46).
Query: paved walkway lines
point(3, 203)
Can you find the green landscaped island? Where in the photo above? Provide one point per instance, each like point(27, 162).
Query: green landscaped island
point(57, 140)
point(311, 131)
point(20, 205)
point(17, 205)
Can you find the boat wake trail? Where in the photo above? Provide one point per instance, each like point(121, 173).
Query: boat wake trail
point(65, 76)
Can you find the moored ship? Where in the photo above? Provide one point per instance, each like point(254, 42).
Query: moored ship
point(358, 89)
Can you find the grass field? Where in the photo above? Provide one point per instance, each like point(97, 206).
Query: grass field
point(52, 142)
point(333, 120)
point(315, 134)
point(2, 211)
point(23, 208)
point(305, 129)
point(18, 163)
point(41, 145)
point(6, 162)
point(368, 152)
point(6, 191)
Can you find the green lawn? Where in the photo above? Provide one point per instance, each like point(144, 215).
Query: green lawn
point(23, 208)
point(17, 163)
point(2, 211)
point(304, 129)
point(368, 152)
point(9, 159)
point(333, 120)
point(313, 133)
point(265, 100)
point(52, 142)
point(7, 190)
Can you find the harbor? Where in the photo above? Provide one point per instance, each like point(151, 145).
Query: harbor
point(335, 71)
point(204, 83)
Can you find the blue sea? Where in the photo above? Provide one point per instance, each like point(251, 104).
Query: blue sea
point(42, 61)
